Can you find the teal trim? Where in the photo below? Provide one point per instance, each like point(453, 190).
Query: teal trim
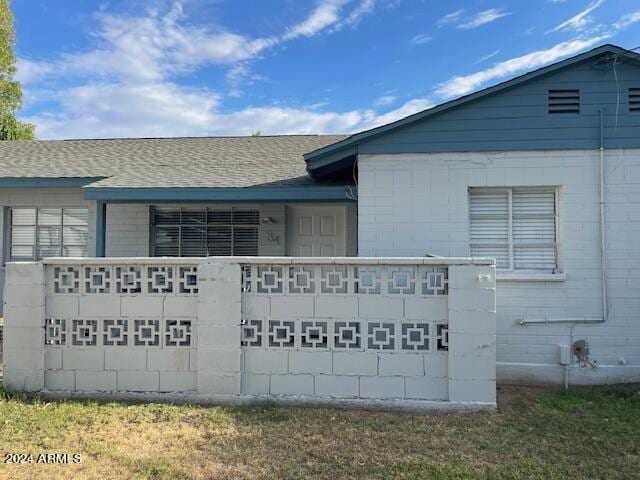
point(101, 228)
point(46, 182)
point(231, 195)
point(493, 119)
point(327, 162)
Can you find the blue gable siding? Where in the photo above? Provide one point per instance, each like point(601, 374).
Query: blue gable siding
point(518, 118)
point(512, 115)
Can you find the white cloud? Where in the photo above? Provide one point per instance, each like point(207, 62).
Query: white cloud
point(125, 85)
point(160, 44)
point(147, 49)
point(462, 85)
point(482, 18)
point(627, 20)
point(324, 15)
point(581, 20)
point(409, 108)
point(487, 57)
point(124, 110)
point(421, 39)
point(29, 71)
point(239, 75)
point(364, 8)
point(166, 109)
point(384, 100)
point(451, 17)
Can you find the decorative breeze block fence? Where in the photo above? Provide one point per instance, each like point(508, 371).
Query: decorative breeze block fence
point(408, 331)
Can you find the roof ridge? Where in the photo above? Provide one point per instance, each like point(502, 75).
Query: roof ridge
point(194, 137)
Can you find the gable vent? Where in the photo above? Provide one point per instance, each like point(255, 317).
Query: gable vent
point(634, 99)
point(564, 101)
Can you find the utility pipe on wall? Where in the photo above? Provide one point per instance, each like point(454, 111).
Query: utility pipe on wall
point(603, 253)
point(603, 226)
point(603, 263)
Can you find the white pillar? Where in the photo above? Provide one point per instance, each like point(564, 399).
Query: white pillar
point(24, 311)
point(472, 333)
point(218, 328)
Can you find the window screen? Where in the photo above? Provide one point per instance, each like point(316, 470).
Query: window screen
point(516, 226)
point(37, 233)
point(189, 232)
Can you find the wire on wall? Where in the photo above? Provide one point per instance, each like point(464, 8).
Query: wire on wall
point(352, 192)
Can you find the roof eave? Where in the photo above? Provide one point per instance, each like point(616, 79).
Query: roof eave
point(219, 194)
point(47, 182)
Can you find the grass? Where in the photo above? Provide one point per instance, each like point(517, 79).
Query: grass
point(581, 433)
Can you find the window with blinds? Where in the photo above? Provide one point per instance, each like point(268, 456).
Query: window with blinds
point(516, 226)
point(186, 232)
point(37, 233)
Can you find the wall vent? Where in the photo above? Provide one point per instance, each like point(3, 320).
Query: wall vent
point(564, 101)
point(634, 99)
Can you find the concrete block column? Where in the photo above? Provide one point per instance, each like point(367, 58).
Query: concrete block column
point(24, 312)
point(218, 328)
point(472, 333)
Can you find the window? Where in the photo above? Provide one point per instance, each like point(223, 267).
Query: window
point(37, 233)
point(203, 232)
point(516, 226)
point(564, 101)
point(634, 99)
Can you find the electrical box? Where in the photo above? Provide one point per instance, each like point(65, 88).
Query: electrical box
point(565, 354)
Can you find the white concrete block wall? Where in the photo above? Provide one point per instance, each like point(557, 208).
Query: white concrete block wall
point(127, 233)
point(23, 349)
point(115, 355)
point(141, 326)
point(218, 347)
point(272, 366)
point(411, 204)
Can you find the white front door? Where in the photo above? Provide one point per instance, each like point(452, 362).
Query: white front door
point(316, 231)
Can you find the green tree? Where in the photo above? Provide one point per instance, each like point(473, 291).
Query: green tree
point(10, 91)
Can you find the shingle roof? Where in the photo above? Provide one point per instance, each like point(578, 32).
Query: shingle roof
point(168, 162)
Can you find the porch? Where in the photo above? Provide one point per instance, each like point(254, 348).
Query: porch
point(86, 221)
point(223, 229)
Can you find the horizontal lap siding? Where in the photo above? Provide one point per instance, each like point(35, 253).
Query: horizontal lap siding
point(518, 119)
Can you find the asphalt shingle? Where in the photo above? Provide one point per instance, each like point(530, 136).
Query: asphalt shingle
point(266, 161)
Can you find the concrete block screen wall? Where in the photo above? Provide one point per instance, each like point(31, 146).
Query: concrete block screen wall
point(398, 331)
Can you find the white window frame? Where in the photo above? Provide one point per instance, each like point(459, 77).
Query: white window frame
point(8, 237)
point(516, 274)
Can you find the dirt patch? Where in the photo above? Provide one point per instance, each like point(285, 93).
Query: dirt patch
point(510, 396)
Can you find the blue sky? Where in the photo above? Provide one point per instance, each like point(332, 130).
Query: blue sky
point(230, 67)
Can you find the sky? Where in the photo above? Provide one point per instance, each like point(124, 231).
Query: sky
point(167, 68)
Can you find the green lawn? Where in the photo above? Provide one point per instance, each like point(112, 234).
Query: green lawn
point(582, 433)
